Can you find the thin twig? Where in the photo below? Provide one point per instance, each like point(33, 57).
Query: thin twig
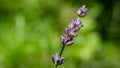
point(55, 66)
point(63, 47)
point(62, 50)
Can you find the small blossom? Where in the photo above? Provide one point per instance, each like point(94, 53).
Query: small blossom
point(82, 11)
point(57, 60)
point(78, 27)
point(66, 40)
point(75, 22)
point(70, 32)
point(72, 25)
point(61, 61)
point(67, 30)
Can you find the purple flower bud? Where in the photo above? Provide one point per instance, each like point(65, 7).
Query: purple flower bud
point(75, 22)
point(62, 38)
point(70, 32)
point(67, 30)
point(57, 60)
point(72, 24)
point(78, 27)
point(66, 40)
point(82, 11)
point(61, 61)
point(75, 34)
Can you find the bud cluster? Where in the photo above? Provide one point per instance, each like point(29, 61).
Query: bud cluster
point(73, 27)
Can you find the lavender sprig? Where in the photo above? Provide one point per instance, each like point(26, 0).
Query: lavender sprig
point(70, 33)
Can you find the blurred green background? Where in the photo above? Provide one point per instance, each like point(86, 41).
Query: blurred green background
point(30, 30)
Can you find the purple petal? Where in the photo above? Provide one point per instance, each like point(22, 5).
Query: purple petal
point(71, 33)
point(76, 22)
point(55, 58)
point(78, 11)
point(84, 9)
point(65, 39)
point(62, 38)
point(72, 25)
point(75, 34)
point(78, 27)
point(67, 30)
point(69, 43)
point(68, 39)
point(61, 61)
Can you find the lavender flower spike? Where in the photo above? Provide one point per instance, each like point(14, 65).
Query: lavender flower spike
point(70, 33)
point(82, 11)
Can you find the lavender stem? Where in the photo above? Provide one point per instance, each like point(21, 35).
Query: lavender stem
point(62, 50)
point(55, 66)
point(63, 47)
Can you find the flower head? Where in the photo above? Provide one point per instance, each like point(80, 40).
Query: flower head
point(82, 11)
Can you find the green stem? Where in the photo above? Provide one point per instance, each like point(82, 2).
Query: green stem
point(55, 66)
point(63, 47)
point(62, 50)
